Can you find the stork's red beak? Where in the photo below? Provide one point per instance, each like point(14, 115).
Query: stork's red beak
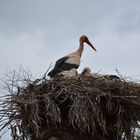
point(89, 43)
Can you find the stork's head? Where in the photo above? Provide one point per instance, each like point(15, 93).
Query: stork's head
point(85, 39)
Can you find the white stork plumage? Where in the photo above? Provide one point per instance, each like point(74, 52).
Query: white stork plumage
point(69, 73)
point(71, 60)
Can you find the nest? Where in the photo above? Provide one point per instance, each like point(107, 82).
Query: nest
point(95, 107)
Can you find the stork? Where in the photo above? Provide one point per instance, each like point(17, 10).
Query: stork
point(69, 73)
point(86, 72)
point(71, 60)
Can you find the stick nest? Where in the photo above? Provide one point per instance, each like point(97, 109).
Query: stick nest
point(95, 106)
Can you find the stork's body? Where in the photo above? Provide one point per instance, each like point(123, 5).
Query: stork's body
point(70, 61)
point(69, 73)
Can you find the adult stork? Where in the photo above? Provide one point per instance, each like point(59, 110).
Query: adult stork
point(71, 60)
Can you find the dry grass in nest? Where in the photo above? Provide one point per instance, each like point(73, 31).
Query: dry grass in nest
point(93, 106)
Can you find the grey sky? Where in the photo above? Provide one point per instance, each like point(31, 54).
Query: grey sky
point(35, 33)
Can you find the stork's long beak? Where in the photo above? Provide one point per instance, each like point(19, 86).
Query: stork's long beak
point(89, 43)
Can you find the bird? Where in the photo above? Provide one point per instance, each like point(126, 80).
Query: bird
point(86, 72)
point(69, 73)
point(71, 60)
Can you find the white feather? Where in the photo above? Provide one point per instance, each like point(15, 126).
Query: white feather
point(74, 58)
point(69, 73)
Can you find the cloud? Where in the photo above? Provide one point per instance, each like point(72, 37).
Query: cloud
point(35, 33)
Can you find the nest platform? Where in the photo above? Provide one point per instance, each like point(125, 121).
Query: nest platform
point(90, 108)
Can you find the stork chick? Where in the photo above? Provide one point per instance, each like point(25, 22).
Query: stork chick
point(71, 60)
point(86, 72)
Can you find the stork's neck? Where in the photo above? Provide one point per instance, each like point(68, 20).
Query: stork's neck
point(80, 49)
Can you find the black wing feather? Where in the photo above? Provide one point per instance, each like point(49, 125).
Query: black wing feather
point(57, 67)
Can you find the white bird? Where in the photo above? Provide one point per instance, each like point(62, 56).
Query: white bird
point(71, 60)
point(69, 73)
point(86, 72)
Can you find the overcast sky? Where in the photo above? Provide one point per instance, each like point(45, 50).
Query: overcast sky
point(35, 33)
